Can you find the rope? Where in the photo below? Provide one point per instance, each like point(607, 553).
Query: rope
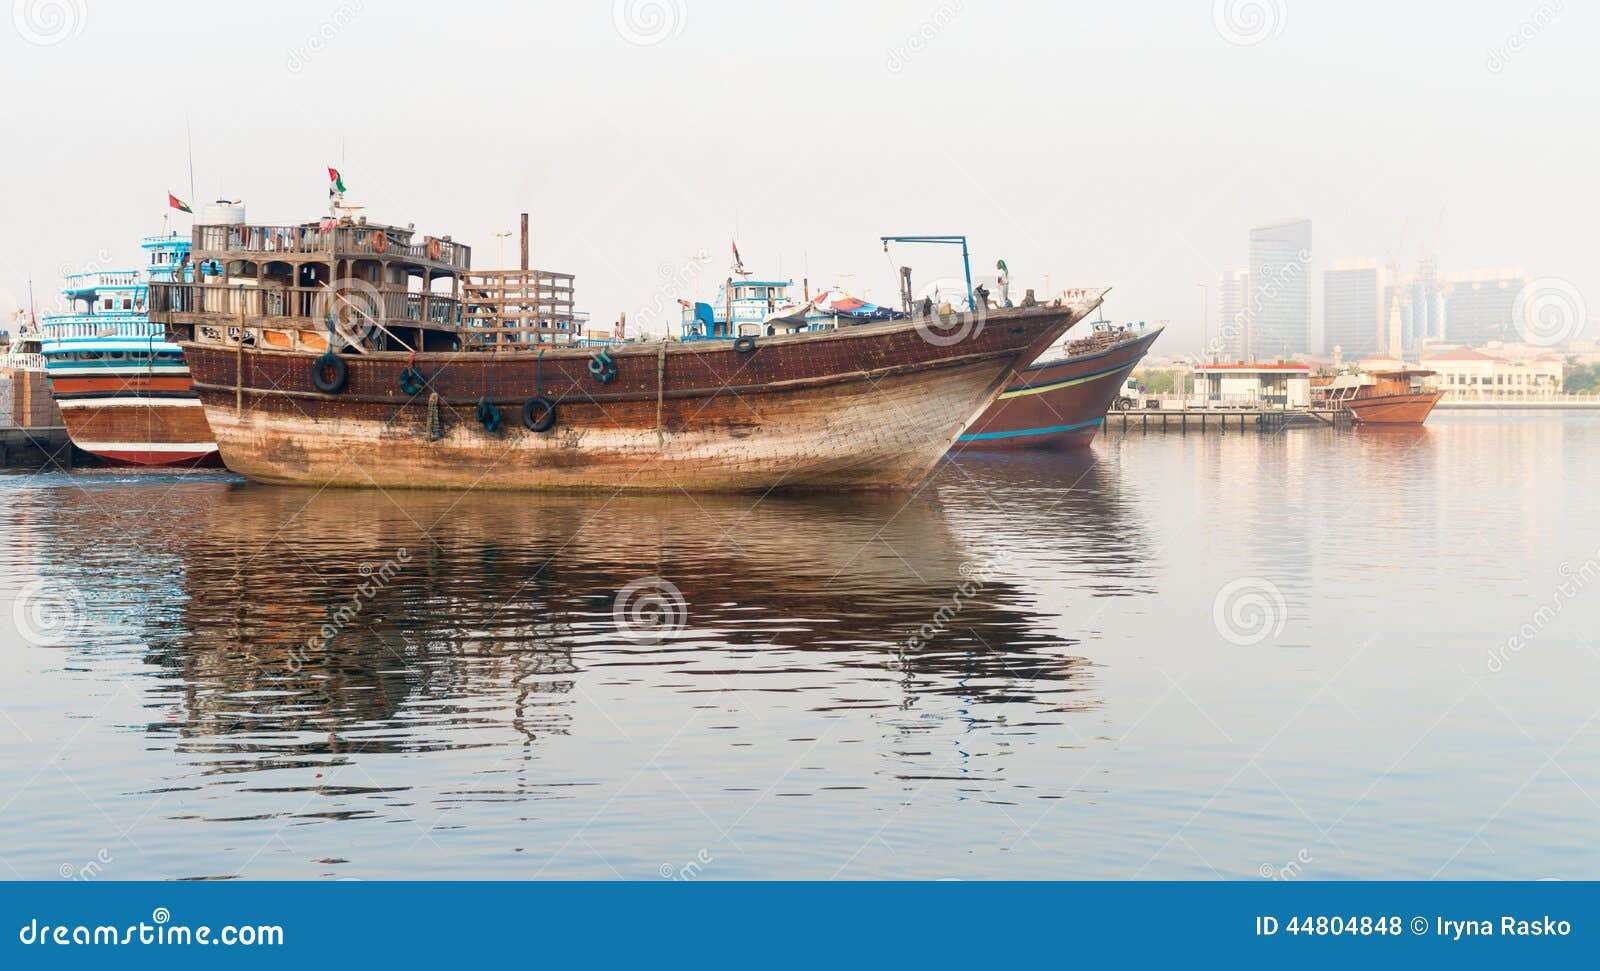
point(435, 431)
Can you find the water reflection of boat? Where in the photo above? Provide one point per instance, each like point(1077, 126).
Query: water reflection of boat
point(292, 622)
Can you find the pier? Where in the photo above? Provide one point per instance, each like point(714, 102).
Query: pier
point(1219, 419)
point(36, 448)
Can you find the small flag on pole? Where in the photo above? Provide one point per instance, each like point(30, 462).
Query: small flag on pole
point(173, 202)
point(336, 179)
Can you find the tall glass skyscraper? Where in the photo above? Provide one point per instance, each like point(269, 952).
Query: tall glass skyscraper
point(1280, 289)
point(1354, 313)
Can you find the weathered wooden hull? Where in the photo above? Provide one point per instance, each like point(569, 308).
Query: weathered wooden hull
point(869, 407)
point(1394, 409)
point(136, 419)
point(1056, 404)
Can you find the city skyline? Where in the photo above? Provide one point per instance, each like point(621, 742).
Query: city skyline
point(628, 193)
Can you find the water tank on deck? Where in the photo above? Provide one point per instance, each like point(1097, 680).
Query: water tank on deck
point(222, 213)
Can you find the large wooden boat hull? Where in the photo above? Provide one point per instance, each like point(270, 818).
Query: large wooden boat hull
point(868, 407)
point(1393, 409)
point(136, 419)
point(1056, 404)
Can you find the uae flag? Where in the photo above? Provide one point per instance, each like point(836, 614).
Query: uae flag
point(335, 180)
point(174, 202)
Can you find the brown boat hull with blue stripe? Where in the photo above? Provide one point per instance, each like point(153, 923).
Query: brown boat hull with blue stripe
point(1060, 402)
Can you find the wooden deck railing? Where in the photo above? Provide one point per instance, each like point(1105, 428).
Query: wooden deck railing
point(311, 303)
point(311, 238)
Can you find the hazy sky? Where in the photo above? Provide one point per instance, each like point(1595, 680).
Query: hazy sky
point(1104, 143)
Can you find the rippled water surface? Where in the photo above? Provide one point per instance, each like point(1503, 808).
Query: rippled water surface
point(1310, 655)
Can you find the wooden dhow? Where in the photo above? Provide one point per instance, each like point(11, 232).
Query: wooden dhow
point(1396, 397)
point(1060, 400)
point(495, 386)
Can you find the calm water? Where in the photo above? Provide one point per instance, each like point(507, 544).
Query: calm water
point(1175, 657)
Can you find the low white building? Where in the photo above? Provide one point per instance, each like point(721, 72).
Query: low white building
point(1253, 385)
point(1466, 374)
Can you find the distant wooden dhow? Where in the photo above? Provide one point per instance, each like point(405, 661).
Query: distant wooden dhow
point(494, 386)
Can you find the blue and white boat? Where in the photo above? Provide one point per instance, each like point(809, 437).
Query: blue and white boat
point(123, 389)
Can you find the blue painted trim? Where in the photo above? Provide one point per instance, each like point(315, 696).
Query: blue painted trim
point(985, 436)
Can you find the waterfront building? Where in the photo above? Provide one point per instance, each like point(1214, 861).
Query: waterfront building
point(1465, 373)
point(1281, 385)
point(1280, 290)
